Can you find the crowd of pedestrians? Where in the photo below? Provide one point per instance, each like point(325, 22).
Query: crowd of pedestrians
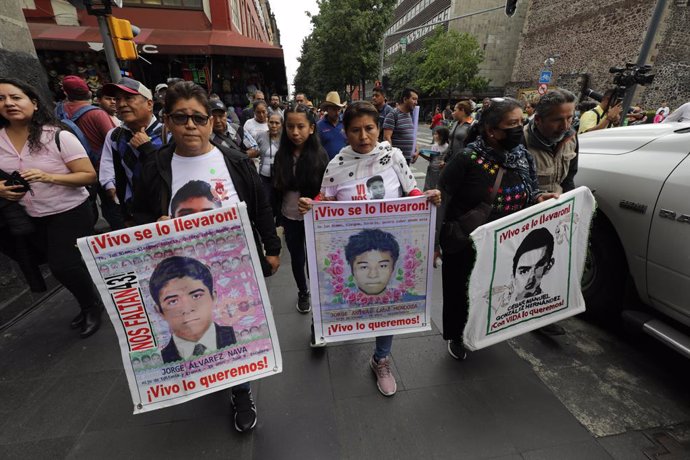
point(134, 150)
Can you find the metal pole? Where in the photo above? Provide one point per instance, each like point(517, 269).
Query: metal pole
point(109, 49)
point(383, 45)
point(644, 51)
point(404, 31)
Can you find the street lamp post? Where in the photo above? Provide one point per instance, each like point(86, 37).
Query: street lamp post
point(644, 51)
point(404, 31)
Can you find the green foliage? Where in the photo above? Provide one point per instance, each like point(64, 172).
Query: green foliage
point(404, 72)
point(448, 61)
point(343, 47)
point(452, 62)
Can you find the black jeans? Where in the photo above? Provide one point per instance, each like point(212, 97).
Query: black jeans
point(267, 185)
point(56, 236)
point(455, 272)
point(294, 238)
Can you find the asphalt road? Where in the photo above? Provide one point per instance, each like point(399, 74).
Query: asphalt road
point(620, 384)
point(596, 392)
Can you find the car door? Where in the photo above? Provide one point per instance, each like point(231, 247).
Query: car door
point(668, 253)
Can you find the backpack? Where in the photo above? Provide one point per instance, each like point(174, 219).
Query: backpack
point(71, 124)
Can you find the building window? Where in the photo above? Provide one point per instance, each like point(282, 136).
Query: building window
point(236, 17)
point(183, 4)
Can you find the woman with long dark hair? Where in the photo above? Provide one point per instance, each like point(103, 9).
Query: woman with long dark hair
point(497, 169)
point(298, 168)
point(53, 169)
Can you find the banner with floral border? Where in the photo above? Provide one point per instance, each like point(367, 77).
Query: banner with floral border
point(370, 267)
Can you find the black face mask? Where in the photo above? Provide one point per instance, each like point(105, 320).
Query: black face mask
point(513, 138)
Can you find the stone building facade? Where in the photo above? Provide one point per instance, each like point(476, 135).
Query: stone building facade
point(585, 37)
point(497, 34)
point(410, 14)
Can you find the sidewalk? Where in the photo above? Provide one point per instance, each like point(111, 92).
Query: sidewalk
point(66, 397)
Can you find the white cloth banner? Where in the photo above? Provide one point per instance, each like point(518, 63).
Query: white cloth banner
point(189, 304)
point(528, 269)
point(370, 267)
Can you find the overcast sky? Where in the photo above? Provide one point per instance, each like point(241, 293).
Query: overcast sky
point(294, 25)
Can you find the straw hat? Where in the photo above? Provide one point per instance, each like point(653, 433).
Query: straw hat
point(332, 98)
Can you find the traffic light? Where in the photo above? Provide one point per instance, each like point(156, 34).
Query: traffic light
point(122, 36)
point(511, 6)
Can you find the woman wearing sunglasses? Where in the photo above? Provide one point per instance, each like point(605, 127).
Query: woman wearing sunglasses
point(220, 175)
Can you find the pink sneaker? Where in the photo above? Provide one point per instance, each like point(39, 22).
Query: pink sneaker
point(385, 380)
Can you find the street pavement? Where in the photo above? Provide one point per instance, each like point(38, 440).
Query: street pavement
point(587, 395)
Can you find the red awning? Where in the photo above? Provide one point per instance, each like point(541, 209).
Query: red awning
point(155, 41)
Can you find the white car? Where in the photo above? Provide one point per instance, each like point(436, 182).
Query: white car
point(640, 177)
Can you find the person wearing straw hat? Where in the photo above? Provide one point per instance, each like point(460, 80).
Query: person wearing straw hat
point(330, 128)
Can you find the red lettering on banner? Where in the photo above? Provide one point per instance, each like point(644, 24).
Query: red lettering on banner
point(190, 223)
point(508, 234)
point(209, 380)
point(162, 390)
point(327, 211)
point(385, 208)
point(108, 241)
point(132, 312)
point(375, 325)
point(336, 328)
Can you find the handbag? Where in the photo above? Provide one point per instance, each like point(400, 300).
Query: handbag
point(455, 233)
point(12, 214)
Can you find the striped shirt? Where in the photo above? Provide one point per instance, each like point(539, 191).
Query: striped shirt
point(403, 136)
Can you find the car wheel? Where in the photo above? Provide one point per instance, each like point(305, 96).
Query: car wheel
point(605, 274)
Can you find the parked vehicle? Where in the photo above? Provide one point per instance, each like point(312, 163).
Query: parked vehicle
point(640, 176)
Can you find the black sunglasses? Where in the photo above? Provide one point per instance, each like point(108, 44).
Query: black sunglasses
point(182, 119)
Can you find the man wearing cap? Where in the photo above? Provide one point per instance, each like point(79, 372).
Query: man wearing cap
point(234, 135)
point(128, 145)
point(330, 128)
point(95, 123)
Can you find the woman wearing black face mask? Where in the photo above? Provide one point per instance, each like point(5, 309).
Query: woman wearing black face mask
point(494, 172)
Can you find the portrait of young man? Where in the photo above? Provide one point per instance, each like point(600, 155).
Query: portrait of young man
point(372, 255)
point(194, 196)
point(185, 296)
point(532, 260)
point(376, 188)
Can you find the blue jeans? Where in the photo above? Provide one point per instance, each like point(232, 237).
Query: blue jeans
point(384, 343)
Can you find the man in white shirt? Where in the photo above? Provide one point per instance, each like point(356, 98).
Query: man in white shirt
point(127, 146)
point(235, 135)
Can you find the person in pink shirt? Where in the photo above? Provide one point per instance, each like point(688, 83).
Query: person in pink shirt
point(53, 169)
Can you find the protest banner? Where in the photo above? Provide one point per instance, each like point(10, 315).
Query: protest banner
point(370, 267)
point(528, 269)
point(189, 305)
point(415, 126)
